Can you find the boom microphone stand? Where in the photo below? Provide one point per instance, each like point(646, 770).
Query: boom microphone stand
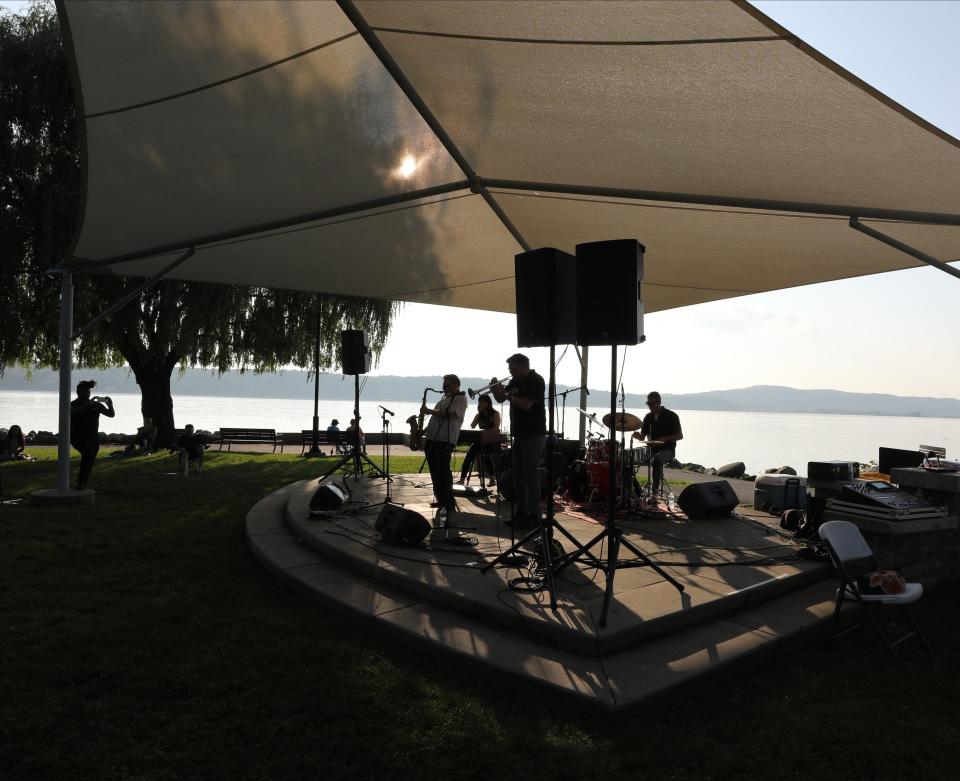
point(548, 524)
point(611, 530)
point(563, 409)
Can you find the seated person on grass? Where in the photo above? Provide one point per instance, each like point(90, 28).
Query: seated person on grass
point(146, 435)
point(12, 445)
point(190, 446)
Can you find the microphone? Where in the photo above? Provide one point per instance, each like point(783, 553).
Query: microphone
point(386, 410)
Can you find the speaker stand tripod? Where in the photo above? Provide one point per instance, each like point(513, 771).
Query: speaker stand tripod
point(356, 457)
point(611, 532)
point(548, 524)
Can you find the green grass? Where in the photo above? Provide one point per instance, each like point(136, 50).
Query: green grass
point(141, 640)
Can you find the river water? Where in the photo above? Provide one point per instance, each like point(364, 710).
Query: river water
point(759, 439)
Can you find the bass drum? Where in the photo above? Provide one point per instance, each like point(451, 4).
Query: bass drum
point(505, 484)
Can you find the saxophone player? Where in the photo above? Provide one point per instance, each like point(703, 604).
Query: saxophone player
point(440, 438)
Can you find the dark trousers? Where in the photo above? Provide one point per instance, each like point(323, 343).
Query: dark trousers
point(438, 459)
point(659, 458)
point(527, 452)
point(88, 449)
point(489, 465)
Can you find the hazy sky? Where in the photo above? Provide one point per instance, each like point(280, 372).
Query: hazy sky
point(890, 333)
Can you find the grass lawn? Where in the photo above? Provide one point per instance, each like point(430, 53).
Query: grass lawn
point(140, 640)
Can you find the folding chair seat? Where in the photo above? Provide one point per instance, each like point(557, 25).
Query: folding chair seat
point(852, 556)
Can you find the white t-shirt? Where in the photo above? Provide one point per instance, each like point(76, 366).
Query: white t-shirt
point(442, 428)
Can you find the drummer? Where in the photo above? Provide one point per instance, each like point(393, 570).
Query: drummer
point(661, 428)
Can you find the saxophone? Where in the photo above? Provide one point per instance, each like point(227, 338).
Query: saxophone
point(416, 423)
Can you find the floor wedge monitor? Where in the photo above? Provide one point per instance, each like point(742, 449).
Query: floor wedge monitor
point(327, 497)
point(546, 288)
point(609, 303)
point(401, 526)
point(715, 499)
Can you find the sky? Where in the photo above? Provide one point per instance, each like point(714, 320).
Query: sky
point(888, 333)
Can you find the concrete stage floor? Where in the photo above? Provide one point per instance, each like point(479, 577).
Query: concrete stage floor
point(747, 592)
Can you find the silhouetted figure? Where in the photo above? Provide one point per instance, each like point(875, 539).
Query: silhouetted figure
point(12, 445)
point(146, 436)
point(190, 446)
point(85, 412)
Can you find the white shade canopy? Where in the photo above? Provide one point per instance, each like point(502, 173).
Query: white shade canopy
point(409, 150)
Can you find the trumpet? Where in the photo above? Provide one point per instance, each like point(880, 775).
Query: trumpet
point(474, 393)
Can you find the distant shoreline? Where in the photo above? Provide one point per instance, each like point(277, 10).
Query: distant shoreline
point(295, 385)
point(384, 400)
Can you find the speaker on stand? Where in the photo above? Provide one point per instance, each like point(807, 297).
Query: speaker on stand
point(610, 312)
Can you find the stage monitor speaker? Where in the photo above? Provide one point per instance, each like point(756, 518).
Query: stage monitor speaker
point(401, 526)
point(546, 299)
point(327, 497)
point(708, 500)
point(609, 296)
point(354, 352)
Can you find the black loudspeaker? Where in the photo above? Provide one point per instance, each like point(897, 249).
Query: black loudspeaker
point(327, 497)
point(546, 281)
point(609, 303)
point(401, 526)
point(354, 352)
point(708, 500)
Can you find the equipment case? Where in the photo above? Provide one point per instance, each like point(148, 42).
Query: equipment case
point(779, 492)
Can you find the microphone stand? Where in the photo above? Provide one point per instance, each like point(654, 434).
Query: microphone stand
point(385, 452)
point(563, 410)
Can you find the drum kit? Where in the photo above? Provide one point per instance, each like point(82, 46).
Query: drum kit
point(629, 460)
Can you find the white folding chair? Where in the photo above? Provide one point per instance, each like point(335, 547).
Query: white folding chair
point(845, 544)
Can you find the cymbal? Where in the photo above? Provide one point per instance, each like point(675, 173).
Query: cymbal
point(588, 415)
point(622, 421)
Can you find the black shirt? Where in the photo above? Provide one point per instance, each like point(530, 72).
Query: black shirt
point(191, 443)
point(533, 420)
point(665, 424)
point(85, 423)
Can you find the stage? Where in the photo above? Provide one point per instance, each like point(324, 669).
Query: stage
point(747, 592)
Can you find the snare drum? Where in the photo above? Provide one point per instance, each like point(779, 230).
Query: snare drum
point(636, 457)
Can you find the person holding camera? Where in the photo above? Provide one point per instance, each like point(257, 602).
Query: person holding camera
point(85, 412)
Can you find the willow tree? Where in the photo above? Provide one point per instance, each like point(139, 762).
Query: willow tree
point(172, 325)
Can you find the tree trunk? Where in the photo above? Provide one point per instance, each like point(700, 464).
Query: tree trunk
point(156, 401)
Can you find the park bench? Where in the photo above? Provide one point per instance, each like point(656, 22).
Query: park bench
point(250, 436)
point(335, 441)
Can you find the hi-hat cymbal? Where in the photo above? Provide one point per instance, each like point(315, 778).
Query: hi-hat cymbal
point(622, 421)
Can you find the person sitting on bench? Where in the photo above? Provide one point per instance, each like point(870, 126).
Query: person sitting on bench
point(190, 446)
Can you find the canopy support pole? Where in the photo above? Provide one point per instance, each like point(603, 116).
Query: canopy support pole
point(905, 248)
point(66, 360)
point(133, 294)
point(386, 59)
point(584, 357)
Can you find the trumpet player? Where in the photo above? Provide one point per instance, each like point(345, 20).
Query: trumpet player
point(440, 438)
point(85, 412)
point(528, 426)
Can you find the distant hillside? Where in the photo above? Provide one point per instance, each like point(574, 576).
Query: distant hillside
point(777, 398)
point(296, 385)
